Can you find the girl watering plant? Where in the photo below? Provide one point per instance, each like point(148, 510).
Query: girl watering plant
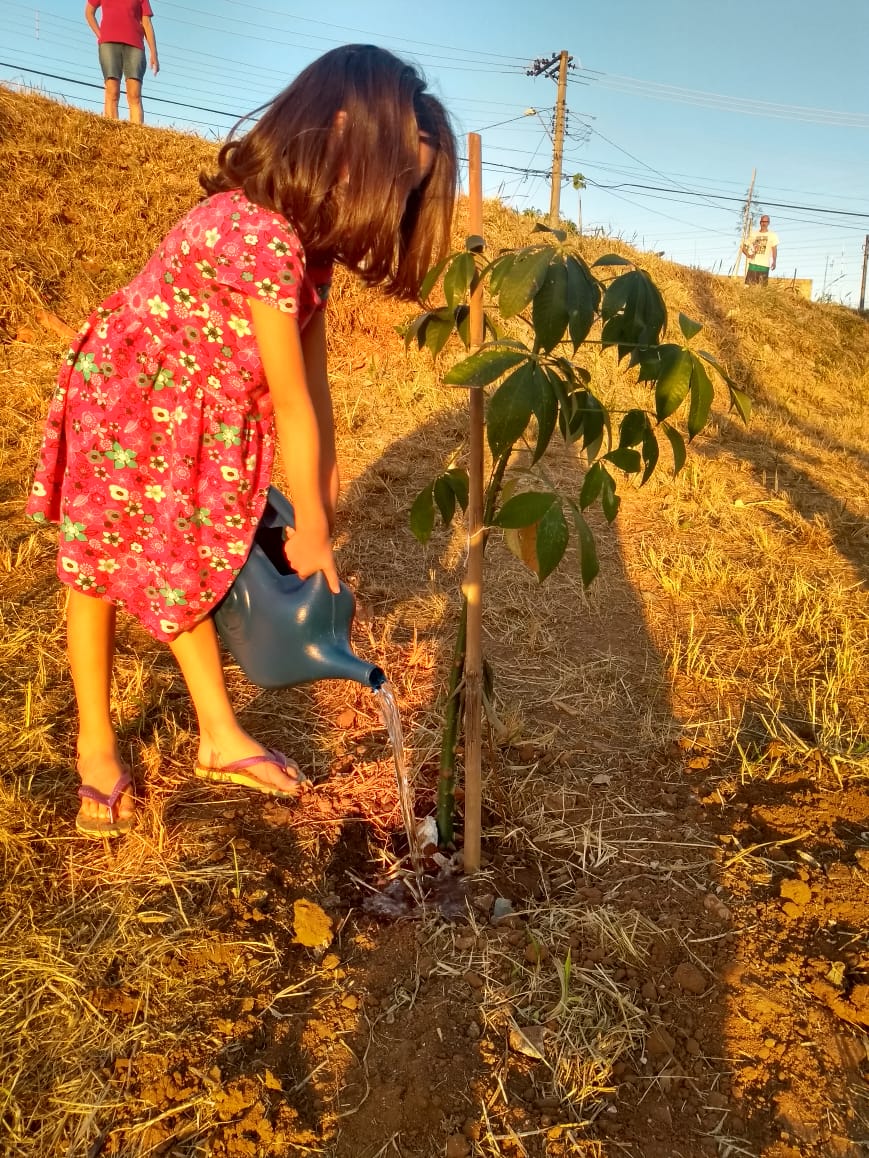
point(159, 441)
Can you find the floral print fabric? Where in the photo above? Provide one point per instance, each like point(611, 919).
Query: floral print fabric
point(159, 440)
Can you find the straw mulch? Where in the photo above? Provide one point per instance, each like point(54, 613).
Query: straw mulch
point(676, 793)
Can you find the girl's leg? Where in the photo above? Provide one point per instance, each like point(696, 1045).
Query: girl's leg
point(90, 626)
point(222, 740)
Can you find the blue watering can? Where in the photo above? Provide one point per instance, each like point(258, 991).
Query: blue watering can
point(283, 630)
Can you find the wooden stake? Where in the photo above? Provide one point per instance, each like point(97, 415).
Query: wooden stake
point(474, 573)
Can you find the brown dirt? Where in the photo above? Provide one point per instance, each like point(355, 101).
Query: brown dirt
point(681, 831)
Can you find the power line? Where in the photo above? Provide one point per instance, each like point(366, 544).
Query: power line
point(90, 84)
point(749, 106)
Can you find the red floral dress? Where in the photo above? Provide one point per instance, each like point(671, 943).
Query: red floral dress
point(159, 441)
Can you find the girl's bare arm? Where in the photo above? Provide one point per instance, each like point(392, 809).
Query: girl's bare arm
point(309, 549)
point(314, 351)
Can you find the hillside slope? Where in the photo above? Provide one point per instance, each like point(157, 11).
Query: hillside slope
point(676, 802)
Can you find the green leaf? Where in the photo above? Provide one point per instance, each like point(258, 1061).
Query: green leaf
point(438, 327)
point(609, 500)
point(445, 497)
point(651, 453)
point(525, 509)
point(591, 485)
point(583, 300)
point(713, 361)
point(474, 243)
point(689, 327)
point(634, 314)
point(552, 538)
point(677, 442)
point(673, 383)
point(545, 411)
point(702, 394)
point(458, 480)
point(549, 308)
point(611, 259)
point(625, 459)
point(498, 270)
point(510, 409)
point(484, 366)
point(463, 327)
point(741, 403)
point(522, 282)
point(633, 428)
point(422, 514)
point(539, 227)
point(458, 278)
point(588, 561)
point(593, 423)
point(430, 279)
point(412, 330)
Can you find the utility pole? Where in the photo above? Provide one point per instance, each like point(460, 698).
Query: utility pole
point(746, 223)
point(541, 67)
point(863, 282)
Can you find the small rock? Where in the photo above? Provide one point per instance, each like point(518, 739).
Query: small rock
point(501, 909)
point(689, 978)
point(458, 1146)
point(350, 1002)
point(346, 719)
point(474, 979)
point(796, 891)
point(536, 954)
point(660, 1043)
point(529, 1040)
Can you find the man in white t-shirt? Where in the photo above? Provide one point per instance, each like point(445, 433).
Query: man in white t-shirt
point(761, 249)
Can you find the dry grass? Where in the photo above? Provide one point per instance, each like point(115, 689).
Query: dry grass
point(731, 610)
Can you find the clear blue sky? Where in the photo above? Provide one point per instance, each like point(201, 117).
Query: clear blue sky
point(686, 95)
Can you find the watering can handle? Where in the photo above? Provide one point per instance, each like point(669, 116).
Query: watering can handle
point(279, 510)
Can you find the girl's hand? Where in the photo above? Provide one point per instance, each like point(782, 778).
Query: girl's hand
point(309, 552)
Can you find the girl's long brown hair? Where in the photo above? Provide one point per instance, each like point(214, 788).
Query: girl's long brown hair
point(348, 183)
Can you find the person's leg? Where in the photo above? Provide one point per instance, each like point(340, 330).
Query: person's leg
point(134, 101)
point(111, 98)
point(222, 740)
point(90, 626)
point(112, 65)
point(134, 71)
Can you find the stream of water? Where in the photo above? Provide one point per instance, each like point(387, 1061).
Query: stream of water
point(392, 720)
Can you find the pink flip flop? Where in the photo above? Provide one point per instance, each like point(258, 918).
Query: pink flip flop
point(96, 827)
point(235, 773)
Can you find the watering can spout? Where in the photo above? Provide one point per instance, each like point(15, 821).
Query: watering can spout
point(342, 663)
point(281, 629)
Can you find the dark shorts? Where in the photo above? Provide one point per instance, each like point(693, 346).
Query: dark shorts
point(757, 276)
point(117, 60)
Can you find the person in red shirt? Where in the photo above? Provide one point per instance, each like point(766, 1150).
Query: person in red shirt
point(121, 36)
